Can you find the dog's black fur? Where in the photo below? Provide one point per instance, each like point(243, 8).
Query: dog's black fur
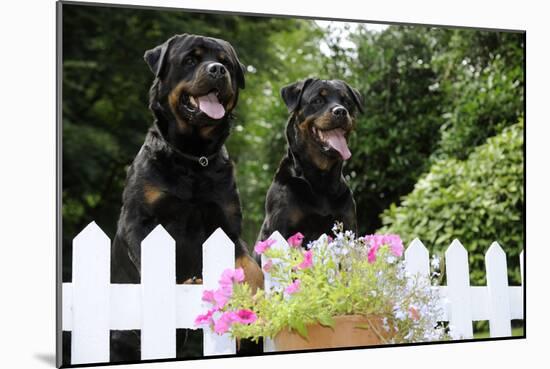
point(166, 184)
point(309, 193)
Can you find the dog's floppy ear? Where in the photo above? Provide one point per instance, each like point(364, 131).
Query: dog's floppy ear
point(240, 75)
point(240, 67)
point(292, 94)
point(356, 96)
point(156, 57)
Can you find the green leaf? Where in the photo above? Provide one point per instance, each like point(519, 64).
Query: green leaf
point(363, 326)
point(326, 321)
point(300, 327)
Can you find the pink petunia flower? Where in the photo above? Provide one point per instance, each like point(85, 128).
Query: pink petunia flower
point(202, 319)
point(293, 287)
point(223, 324)
point(375, 241)
point(230, 276)
point(262, 246)
point(221, 296)
point(371, 257)
point(208, 296)
point(296, 240)
point(268, 265)
point(308, 260)
point(246, 316)
point(396, 245)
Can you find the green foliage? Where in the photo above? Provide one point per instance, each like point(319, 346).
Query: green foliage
point(477, 200)
point(399, 130)
point(481, 75)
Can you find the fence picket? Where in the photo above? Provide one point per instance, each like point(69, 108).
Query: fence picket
point(218, 254)
point(280, 243)
point(497, 286)
point(458, 291)
point(91, 278)
point(417, 259)
point(158, 283)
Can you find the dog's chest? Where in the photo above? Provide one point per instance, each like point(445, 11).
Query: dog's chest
point(190, 196)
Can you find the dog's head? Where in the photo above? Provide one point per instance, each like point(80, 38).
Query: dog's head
point(322, 116)
point(197, 79)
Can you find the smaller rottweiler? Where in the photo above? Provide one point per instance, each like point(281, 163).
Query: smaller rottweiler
point(309, 193)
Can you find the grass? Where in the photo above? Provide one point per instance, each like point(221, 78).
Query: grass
point(518, 331)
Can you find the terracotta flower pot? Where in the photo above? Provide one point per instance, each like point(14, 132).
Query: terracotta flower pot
point(345, 333)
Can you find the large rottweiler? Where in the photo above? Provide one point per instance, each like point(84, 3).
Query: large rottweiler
point(309, 193)
point(182, 177)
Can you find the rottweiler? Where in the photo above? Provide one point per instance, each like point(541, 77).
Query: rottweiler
point(309, 193)
point(182, 177)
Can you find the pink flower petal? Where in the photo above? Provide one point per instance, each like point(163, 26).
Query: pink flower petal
point(223, 324)
point(230, 276)
point(246, 316)
point(239, 275)
point(308, 260)
point(293, 287)
point(221, 296)
point(208, 296)
point(296, 240)
point(262, 246)
point(268, 265)
point(203, 319)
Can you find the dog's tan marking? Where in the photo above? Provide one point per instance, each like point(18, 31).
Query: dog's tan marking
point(324, 121)
point(207, 131)
point(295, 215)
point(152, 194)
point(320, 160)
point(232, 208)
point(323, 92)
point(231, 102)
point(173, 101)
point(198, 51)
point(222, 57)
point(252, 273)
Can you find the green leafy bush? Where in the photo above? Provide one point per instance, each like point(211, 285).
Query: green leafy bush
point(480, 74)
point(478, 200)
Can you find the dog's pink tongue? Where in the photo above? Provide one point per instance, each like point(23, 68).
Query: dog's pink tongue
point(211, 106)
point(336, 139)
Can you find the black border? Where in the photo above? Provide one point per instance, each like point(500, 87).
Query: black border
point(59, 176)
point(59, 183)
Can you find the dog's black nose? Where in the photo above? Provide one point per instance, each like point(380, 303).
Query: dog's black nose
point(216, 70)
point(339, 111)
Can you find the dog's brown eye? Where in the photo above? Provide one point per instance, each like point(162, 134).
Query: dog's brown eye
point(318, 101)
point(190, 61)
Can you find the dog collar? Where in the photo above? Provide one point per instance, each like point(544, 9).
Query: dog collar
point(203, 160)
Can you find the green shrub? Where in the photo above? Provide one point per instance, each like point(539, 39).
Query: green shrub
point(480, 73)
point(478, 200)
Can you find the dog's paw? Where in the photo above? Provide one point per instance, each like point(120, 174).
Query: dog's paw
point(193, 280)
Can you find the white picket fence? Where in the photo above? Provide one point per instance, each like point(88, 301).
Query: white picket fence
point(92, 306)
